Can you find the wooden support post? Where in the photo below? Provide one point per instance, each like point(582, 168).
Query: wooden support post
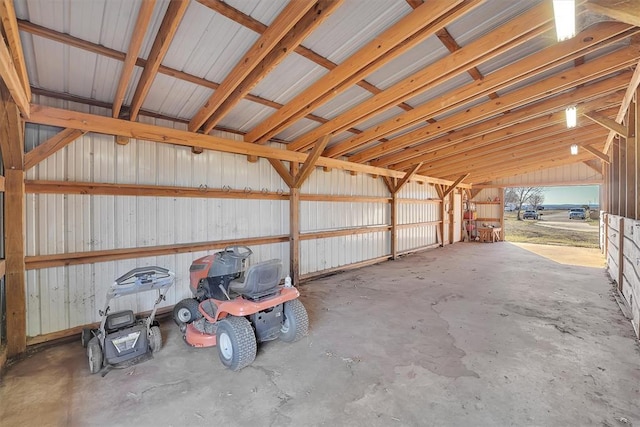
point(294, 227)
point(394, 225)
point(615, 181)
point(450, 216)
point(14, 253)
point(620, 253)
point(631, 196)
point(502, 214)
point(622, 176)
point(636, 135)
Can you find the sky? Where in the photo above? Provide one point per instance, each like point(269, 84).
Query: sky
point(580, 194)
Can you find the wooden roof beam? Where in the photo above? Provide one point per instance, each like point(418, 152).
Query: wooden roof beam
point(555, 84)
point(486, 165)
point(452, 187)
point(634, 83)
point(307, 24)
point(594, 164)
point(507, 126)
point(557, 54)
point(492, 156)
point(120, 56)
point(599, 154)
point(310, 163)
point(110, 126)
point(608, 123)
point(533, 139)
point(394, 187)
point(168, 28)
point(284, 22)
point(9, 74)
point(525, 168)
point(399, 38)
point(283, 171)
point(483, 49)
point(257, 26)
point(11, 132)
point(14, 45)
point(622, 10)
point(140, 29)
point(51, 146)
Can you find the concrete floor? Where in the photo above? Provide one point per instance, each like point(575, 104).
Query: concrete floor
point(476, 334)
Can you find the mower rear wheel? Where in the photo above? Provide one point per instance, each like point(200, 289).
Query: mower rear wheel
point(296, 321)
point(94, 354)
point(186, 311)
point(236, 342)
point(155, 339)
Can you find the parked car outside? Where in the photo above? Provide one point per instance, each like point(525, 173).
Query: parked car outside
point(530, 215)
point(577, 213)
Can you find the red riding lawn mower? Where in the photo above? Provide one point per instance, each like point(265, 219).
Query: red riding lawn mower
point(234, 307)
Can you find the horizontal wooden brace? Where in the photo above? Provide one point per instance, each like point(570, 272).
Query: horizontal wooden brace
point(91, 188)
point(106, 125)
point(90, 257)
point(344, 232)
point(419, 224)
point(337, 198)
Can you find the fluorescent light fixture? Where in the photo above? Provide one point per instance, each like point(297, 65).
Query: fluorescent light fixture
point(572, 119)
point(574, 149)
point(564, 12)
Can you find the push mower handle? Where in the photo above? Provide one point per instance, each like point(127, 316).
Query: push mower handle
point(238, 251)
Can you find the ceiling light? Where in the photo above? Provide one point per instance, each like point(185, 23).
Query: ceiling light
point(572, 119)
point(574, 149)
point(564, 12)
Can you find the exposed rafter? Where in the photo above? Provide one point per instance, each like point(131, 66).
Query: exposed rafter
point(250, 60)
point(140, 29)
point(593, 70)
point(485, 48)
point(168, 28)
point(608, 123)
point(399, 38)
point(14, 45)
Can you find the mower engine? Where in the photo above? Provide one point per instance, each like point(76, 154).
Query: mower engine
point(211, 274)
point(126, 337)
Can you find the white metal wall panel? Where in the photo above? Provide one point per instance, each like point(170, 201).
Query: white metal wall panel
point(323, 254)
point(63, 297)
point(411, 213)
point(575, 173)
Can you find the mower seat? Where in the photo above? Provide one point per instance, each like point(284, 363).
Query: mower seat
point(259, 280)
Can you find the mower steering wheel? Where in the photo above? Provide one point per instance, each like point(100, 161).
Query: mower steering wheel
point(238, 251)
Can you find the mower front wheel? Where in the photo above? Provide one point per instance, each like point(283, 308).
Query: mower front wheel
point(296, 321)
point(86, 336)
point(186, 311)
point(94, 354)
point(155, 339)
point(236, 342)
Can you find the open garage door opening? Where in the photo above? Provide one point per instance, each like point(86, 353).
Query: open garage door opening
point(560, 216)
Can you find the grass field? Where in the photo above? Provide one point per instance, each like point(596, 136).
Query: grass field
point(528, 232)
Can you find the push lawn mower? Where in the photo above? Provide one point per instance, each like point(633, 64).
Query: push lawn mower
point(124, 339)
point(234, 309)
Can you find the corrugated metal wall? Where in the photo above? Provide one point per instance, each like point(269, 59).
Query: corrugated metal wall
point(413, 212)
point(623, 259)
point(62, 297)
point(59, 298)
point(315, 216)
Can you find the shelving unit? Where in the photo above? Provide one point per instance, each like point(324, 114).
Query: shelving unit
point(483, 216)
